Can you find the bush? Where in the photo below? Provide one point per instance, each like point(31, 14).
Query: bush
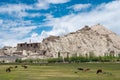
point(18, 61)
point(79, 59)
point(73, 59)
point(54, 60)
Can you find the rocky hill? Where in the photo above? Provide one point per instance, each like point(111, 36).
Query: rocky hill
point(95, 40)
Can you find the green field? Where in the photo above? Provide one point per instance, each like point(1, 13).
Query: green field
point(111, 71)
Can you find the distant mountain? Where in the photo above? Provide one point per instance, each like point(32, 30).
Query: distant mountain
point(95, 40)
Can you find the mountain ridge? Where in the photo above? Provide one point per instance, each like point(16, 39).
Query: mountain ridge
point(96, 39)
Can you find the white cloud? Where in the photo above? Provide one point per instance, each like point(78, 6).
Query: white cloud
point(45, 4)
point(22, 31)
point(42, 4)
point(14, 30)
point(57, 1)
point(15, 35)
point(14, 8)
point(13, 41)
point(35, 37)
point(7, 24)
point(1, 21)
point(78, 7)
point(10, 42)
point(34, 15)
point(107, 15)
point(17, 10)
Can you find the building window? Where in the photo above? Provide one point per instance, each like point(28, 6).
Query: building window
point(27, 45)
point(20, 45)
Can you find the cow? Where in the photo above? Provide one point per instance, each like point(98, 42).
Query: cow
point(80, 69)
point(25, 67)
point(8, 69)
point(16, 66)
point(99, 71)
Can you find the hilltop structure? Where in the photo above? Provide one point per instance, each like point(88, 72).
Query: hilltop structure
point(33, 47)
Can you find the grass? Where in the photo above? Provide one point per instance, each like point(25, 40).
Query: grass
point(62, 72)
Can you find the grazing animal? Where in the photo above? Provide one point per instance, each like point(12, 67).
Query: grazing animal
point(8, 70)
point(80, 69)
point(25, 67)
point(87, 69)
point(99, 71)
point(16, 66)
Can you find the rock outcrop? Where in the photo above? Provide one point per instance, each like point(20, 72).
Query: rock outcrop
point(95, 40)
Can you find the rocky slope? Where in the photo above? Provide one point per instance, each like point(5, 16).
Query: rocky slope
point(95, 40)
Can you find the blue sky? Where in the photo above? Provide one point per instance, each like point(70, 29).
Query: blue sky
point(24, 20)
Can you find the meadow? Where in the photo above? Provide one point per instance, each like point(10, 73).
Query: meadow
point(61, 71)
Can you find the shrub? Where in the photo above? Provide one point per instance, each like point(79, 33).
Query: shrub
point(54, 60)
point(18, 61)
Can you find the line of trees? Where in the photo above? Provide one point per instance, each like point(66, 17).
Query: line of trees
point(73, 59)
